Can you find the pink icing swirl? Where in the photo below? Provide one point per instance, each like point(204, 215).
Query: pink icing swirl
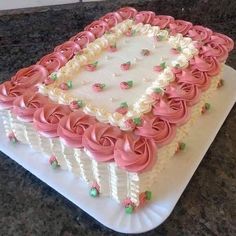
point(219, 38)
point(135, 153)
point(30, 76)
point(162, 21)
point(72, 127)
point(207, 64)
point(183, 91)
point(127, 12)
point(99, 140)
point(180, 26)
point(68, 49)
point(53, 61)
point(145, 17)
point(97, 27)
point(46, 119)
point(8, 93)
point(112, 19)
point(194, 76)
point(200, 33)
point(171, 110)
point(212, 49)
point(83, 38)
point(25, 105)
point(161, 131)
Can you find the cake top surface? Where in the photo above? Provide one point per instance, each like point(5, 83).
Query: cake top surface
point(115, 75)
point(136, 79)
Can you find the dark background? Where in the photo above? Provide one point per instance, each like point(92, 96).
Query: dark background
point(30, 207)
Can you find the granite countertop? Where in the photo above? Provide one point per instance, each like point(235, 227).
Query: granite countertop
point(30, 207)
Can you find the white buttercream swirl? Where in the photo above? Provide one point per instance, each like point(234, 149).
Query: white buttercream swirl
point(115, 118)
point(42, 89)
point(181, 61)
point(164, 34)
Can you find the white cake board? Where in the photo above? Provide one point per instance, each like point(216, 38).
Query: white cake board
point(170, 185)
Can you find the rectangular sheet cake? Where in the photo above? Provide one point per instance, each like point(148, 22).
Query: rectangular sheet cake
point(114, 103)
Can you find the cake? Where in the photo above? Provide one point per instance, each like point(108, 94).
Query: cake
point(114, 103)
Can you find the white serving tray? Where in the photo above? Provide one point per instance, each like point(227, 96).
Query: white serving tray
point(169, 187)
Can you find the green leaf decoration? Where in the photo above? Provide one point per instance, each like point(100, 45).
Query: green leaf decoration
point(69, 83)
point(207, 106)
point(93, 192)
point(103, 86)
point(14, 140)
point(148, 195)
point(124, 105)
point(160, 37)
point(163, 65)
point(95, 63)
point(157, 90)
point(80, 103)
point(133, 32)
point(55, 164)
point(53, 76)
point(182, 146)
point(129, 209)
point(177, 66)
point(179, 49)
point(130, 83)
point(137, 121)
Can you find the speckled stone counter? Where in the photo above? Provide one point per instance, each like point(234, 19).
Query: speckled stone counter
point(30, 207)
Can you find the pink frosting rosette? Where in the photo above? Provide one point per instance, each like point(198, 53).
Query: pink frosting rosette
point(145, 17)
point(99, 141)
point(161, 131)
point(46, 119)
point(71, 128)
point(25, 105)
point(207, 64)
point(135, 153)
point(127, 12)
point(162, 21)
point(97, 27)
point(180, 26)
point(171, 110)
point(83, 38)
point(112, 19)
point(213, 49)
point(30, 76)
point(183, 91)
point(194, 76)
point(200, 33)
point(8, 93)
point(222, 39)
point(53, 61)
point(68, 49)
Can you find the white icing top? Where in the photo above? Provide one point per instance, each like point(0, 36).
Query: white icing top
point(108, 72)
